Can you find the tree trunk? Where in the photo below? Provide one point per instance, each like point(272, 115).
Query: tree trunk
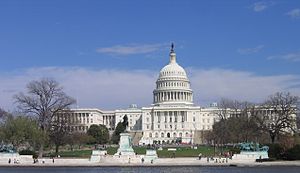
point(272, 138)
point(42, 143)
point(56, 149)
point(41, 149)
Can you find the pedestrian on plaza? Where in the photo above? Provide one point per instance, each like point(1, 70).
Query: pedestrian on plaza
point(200, 155)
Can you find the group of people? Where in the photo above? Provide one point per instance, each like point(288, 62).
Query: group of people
point(35, 160)
point(143, 160)
point(215, 160)
point(16, 161)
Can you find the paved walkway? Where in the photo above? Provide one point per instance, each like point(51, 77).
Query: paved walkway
point(114, 161)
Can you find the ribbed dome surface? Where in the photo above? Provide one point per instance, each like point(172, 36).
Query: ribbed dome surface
point(172, 70)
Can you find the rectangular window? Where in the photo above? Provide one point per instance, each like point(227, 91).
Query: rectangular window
point(158, 117)
point(165, 114)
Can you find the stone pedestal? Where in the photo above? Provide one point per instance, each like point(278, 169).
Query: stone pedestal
point(96, 155)
point(250, 156)
point(150, 156)
point(125, 145)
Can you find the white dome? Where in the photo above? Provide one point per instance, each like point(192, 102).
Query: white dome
point(172, 70)
point(172, 85)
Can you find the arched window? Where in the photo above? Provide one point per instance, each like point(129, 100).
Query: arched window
point(180, 134)
point(150, 135)
point(168, 135)
point(174, 135)
point(162, 135)
point(156, 135)
point(186, 134)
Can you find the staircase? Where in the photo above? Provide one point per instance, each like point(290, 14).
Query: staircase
point(136, 137)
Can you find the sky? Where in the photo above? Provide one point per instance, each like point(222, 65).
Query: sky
point(108, 54)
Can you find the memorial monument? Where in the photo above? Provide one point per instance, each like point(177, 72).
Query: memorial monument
point(125, 145)
point(251, 151)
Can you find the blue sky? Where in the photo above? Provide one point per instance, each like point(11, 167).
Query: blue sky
point(253, 44)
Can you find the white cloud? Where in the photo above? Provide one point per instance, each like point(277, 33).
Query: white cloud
point(112, 89)
point(213, 84)
point(294, 57)
point(250, 50)
point(131, 49)
point(260, 6)
point(295, 13)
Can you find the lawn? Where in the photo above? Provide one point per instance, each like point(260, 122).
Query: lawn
point(74, 153)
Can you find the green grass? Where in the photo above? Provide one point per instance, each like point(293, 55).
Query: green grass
point(75, 153)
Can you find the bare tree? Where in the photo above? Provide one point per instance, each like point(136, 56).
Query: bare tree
point(60, 129)
point(226, 109)
point(44, 99)
point(277, 115)
point(3, 115)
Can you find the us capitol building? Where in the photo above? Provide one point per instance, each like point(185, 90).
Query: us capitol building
point(172, 117)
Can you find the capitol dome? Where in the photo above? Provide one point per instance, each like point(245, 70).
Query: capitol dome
point(172, 85)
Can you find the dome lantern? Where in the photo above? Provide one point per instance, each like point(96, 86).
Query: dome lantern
point(172, 54)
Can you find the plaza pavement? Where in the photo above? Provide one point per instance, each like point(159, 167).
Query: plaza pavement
point(115, 161)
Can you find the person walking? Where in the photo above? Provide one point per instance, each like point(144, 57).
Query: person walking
point(200, 155)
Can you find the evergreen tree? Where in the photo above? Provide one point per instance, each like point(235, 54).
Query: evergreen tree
point(116, 135)
point(99, 132)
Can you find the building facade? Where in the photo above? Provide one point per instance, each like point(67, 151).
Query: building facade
point(171, 118)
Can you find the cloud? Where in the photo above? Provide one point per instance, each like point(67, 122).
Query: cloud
point(295, 13)
point(260, 6)
point(294, 57)
point(250, 50)
point(131, 49)
point(115, 89)
point(213, 84)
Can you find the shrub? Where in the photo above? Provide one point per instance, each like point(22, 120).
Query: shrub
point(276, 151)
point(293, 153)
point(28, 152)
